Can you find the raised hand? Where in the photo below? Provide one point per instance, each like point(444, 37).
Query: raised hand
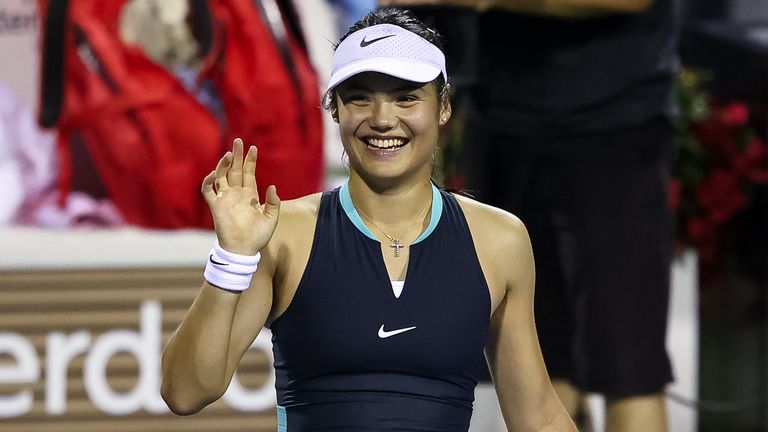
point(243, 225)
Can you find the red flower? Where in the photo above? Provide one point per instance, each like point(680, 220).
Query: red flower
point(756, 150)
point(735, 114)
point(740, 165)
point(720, 195)
point(756, 161)
point(718, 162)
point(718, 138)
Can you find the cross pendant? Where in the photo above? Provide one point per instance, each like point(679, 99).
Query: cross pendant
point(396, 245)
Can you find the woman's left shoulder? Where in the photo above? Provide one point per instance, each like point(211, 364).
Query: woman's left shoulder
point(502, 246)
point(492, 223)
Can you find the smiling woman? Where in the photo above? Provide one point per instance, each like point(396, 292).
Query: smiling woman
point(382, 294)
point(396, 96)
point(389, 126)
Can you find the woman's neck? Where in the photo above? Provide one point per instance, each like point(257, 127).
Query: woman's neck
point(393, 206)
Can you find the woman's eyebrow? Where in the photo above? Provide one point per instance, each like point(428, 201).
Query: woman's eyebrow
point(409, 87)
point(355, 87)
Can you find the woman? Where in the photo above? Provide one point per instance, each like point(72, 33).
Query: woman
point(381, 294)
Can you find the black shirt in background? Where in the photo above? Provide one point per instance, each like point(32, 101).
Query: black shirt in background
point(552, 76)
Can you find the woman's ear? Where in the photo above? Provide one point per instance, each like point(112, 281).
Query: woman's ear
point(330, 103)
point(445, 110)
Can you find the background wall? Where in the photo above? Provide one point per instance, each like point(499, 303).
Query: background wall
point(83, 319)
point(18, 48)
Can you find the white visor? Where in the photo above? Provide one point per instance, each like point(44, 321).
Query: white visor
point(387, 49)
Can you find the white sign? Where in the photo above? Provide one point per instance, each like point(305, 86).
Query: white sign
point(144, 345)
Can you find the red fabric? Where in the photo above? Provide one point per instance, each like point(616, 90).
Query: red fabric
point(262, 104)
point(152, 142)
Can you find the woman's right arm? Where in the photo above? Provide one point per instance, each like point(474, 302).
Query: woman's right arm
point(201, 357)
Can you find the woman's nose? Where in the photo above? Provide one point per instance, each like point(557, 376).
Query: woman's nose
point(383, 117)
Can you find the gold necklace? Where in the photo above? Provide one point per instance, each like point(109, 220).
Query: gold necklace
point(396, 244)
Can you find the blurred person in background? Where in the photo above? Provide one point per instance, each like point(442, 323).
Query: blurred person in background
point(570, 128)
point(381, 294)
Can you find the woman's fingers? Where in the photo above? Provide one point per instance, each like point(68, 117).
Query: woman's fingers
point(222, 168)
point(235, 174)
point(207, 189)
point(234, 171)
point(249, 168)
point(272, 202)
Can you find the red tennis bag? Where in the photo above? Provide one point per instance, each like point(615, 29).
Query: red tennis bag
point(149, 141)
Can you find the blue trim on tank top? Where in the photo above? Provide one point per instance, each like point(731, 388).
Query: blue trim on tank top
point(282, 419)
point(354, 216)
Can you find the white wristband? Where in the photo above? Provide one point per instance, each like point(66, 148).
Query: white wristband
point(230, 271)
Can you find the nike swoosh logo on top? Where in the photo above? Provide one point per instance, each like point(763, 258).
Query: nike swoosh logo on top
point(210, 257)
point(364, 43)
point(385, 334)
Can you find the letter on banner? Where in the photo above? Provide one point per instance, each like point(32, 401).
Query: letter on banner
point(60, 350)
point(145, 347)
point(263, 398)
point(25, 371)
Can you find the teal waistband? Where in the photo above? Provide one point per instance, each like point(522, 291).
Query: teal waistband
point(282, 419)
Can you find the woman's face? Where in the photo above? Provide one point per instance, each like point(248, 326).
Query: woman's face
point(389, 126)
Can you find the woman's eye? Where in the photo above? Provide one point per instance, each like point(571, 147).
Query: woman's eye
point(356, 98)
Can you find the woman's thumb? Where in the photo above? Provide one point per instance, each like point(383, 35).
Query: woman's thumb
point(272, 204)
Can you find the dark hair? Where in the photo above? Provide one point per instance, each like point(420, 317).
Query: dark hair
point(407, 20)
point(401, 18)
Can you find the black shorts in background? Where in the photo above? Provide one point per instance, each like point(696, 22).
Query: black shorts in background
point(596, 209)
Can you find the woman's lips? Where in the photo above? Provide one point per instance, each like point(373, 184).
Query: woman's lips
point(385, 143)
point(384, 147)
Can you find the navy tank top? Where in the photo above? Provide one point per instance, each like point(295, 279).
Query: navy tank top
point(350, 356)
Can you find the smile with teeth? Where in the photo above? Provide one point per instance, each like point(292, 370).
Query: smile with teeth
point(385, 144)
